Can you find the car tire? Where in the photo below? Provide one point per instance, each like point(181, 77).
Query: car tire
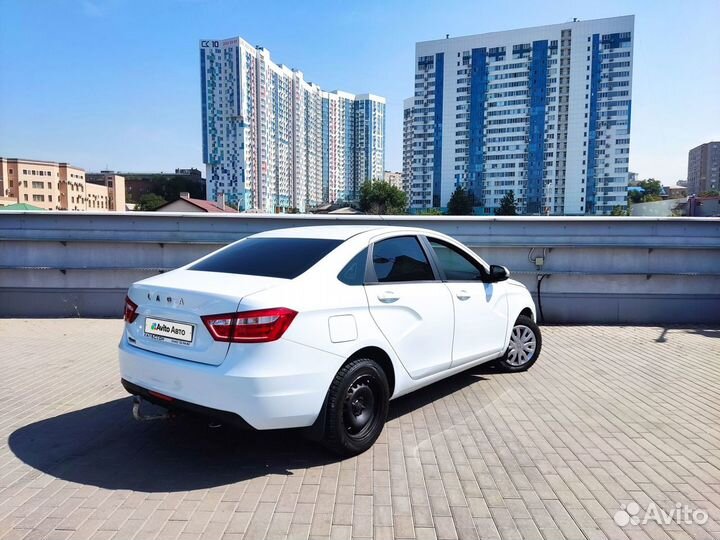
point(524, 347)
point(357, 407)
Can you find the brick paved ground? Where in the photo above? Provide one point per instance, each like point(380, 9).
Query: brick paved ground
point(608, 416)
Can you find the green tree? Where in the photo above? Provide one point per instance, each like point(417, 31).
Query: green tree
point(619, 210)
point(508, 206)
point(651, 191)
point(711, 193)
point(149, 202)
point(460, 203)
point(380, 197)
point(430, 212)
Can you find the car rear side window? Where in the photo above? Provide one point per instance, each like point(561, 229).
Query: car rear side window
point(401, 259)
point(354, 271)
point(272, 257)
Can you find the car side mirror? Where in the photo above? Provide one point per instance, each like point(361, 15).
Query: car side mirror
point(498, 273)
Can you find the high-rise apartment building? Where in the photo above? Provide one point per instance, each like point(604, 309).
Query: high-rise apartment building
point(407, 151)
point(704, 168)
point(59, 186)
point(273, 141)
point(542, 111)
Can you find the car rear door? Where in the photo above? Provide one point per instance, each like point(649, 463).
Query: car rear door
point(481, 309)
point(410, 305)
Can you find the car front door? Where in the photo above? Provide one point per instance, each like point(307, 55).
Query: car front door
point(480, 306)
point(410, 305)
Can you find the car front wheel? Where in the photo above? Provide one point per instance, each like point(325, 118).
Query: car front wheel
point(357, 407)
point(524, 347)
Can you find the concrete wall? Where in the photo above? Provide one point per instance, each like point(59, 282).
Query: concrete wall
point(596, 270)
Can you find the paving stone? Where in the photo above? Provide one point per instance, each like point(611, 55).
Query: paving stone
point(608, 416)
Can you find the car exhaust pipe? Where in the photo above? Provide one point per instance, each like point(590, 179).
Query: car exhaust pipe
point(140, 417)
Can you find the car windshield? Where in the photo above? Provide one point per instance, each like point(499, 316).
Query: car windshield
point(272, 257)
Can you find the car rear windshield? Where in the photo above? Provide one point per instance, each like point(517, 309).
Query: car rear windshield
point(272, 257)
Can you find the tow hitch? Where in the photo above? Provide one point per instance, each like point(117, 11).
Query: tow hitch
point(147, 417)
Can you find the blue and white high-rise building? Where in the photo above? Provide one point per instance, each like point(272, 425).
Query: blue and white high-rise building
point(544, 112)
point(273, 141)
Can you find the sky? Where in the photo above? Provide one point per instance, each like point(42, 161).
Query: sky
point(115, 84)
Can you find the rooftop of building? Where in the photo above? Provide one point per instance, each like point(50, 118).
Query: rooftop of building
point(555, 26)
point(606, 416)
point(205, 206)
point(284, 68)
point(40, 162)
point(709, 143)
point(25, 207)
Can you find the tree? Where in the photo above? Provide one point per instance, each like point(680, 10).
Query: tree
point(149, 202)
point(460, 203)
point(651, 190)
point(619, 210)
point(380, 197)
point(430, 212)
point(651, 186)
point(508, 206)
point(711, 193)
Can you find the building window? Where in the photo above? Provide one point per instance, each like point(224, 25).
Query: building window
point(39, 198)
point(38, 185)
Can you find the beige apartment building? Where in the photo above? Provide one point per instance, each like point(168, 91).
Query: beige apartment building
point(59, 186)
point(395, 179)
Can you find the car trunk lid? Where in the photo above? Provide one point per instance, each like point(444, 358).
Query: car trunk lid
point(171, 307)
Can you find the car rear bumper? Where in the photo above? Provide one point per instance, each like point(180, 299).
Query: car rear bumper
point(184, 406)
point(268, 386)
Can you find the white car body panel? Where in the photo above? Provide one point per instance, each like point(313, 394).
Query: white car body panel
point(283, 384)
point(481, 320)
point(202, 293)
point(417, 321)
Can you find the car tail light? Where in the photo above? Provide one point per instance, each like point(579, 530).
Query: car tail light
point(130, 310)
point(258, 326)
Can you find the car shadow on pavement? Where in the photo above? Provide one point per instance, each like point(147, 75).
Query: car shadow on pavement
point(104, 446)
point(697, 330)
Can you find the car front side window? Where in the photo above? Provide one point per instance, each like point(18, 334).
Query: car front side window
point(456, 265)
point(401, 259)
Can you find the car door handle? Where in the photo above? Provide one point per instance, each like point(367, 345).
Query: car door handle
point(388, 297)
point(463, 295)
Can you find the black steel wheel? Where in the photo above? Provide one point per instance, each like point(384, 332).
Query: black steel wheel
point(357, 407)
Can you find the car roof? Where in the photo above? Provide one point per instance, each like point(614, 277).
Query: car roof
point(335, 232)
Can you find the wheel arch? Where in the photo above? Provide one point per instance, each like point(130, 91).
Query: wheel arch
point(520, 302)
point(316, 431)
point(381, 357)
point(528, 313)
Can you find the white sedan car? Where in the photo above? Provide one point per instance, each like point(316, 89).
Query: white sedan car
point(319, 327)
